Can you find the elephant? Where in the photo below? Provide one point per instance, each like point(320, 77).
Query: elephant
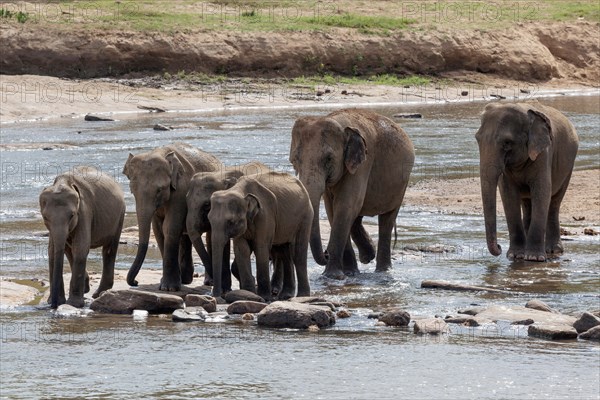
point(360, 163)
point(201, 187)
point(263, 213)
point(527, 150)
point(159, 181)
point(83, 209)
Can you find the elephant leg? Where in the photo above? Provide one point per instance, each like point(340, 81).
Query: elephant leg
point(277, 277)
point(554, 246)
point(384, 250)
point(172, 230)
point(157, 228)
point(366, 248)
point(69, 254)
point(78, 275)
point(286, 266)
point(526, 209)
point(208, 279)
point(340, 234)
point(109, 256)
point(535, 249)
point(263, 278)
point(350, 266)
point(242, 253)
point(186, 262)
point(225, 271)
point(235, 270)
point(511, 202)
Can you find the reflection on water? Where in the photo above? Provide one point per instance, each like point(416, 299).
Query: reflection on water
point(116, 357)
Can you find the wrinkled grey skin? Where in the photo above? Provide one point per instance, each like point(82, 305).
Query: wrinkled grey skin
point(258, 213)
point(528, 150)
point(201, 188)
point(360, 163)
point(159, 182)
point(83, 210)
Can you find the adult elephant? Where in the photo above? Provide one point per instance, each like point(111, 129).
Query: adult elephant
point(83, 209)
point(201, 188)
point(528, 150)
point(159, 182)
point(265, 214)
point(360, 163)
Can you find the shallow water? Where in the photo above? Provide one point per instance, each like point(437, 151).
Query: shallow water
point(104, 356)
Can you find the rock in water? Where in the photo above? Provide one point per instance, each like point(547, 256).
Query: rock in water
point(592, 334)
point(186, 316)
point(431, 326)
point(586, 322)
point(89, 117)
point(125, 301)
point(552, 332)
point(540, 306)
point(66, 310)
point(236, 295)
point(343, 314)
point(209, 303)
point(283, 314)
point(395, 317)
point(245, 306)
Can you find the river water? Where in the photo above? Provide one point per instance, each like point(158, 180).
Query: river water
point(117, 357)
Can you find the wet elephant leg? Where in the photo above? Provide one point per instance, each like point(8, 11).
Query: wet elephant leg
point(78, 277)
point(511, 200)
point(350, 266)
point(366, 248)
point(526, 209)
point(185, 260)
point(384, 251)
point(286, 265)
point(554, 246)
point(157, 228)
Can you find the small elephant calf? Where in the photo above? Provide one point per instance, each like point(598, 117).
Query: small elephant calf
point(83, 209)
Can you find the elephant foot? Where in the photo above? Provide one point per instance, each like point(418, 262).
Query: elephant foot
point(208, 281)
point(334, 273)
point(515, 254)
point(285, 295)
point(169, 286)
point(383, 268)
point(187, 280)
point(76, 302)
point(351, 272)
point(535, 256)
point(61, 300)
point(555, 250)
point(366, 255)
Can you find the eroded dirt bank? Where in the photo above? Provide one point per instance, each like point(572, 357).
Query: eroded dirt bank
point(527, 52)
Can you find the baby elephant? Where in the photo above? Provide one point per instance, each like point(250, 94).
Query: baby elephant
point(83, 209)
point(260, 212)
point(528, 151)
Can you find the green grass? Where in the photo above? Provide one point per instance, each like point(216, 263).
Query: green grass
point(565, 11)
point(383, 79)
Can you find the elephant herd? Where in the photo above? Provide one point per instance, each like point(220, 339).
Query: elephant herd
point(357, 161)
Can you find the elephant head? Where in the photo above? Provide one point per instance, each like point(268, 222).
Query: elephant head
point(511, 137)
point(322, 153)
point(230, 214)
point(152, 179)
point(59, 205)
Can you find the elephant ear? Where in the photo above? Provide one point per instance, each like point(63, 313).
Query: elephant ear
point(76, 189)
point(356, 149)
point(127, 166)
point(253, 206)
point(539, 135)
point(175, 166)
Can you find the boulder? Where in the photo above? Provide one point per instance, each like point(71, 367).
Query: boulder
point(236, 295)
point(343, 314)
point(395, 317)
point(286, 314)
point(552, 332)
point(248, 317)
point(592, 334)
point(125, 301)
point(187, 316)
point(375, 314)
point(586, 322)
point(66, 310)
point(527, 321)
point(209, 303)
point(431, 326)
point(245, 306)
point(465, 319)
point(89, 117)
point(519, 313)
point(324, 304)
point(15, 294)
point(540, 306)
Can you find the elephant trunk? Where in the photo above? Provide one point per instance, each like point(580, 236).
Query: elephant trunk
point(316, 245)
point(218, 242)
point(144, 224)
point(489, 182)
point(59, 239)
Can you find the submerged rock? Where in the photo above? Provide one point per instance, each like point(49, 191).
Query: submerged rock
point(552, 332)
point(395, 317)
point(591, 334)
point(125, 301)
point(586, 322)
point(431, 326)
point(540, 306)
point(248, 317)
point(236, 295)
point(343, 314)
point(286, 314)
point(209, 303)
point(519, 313)
point(66, 310)
point(245, 306)
point(90, 117)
